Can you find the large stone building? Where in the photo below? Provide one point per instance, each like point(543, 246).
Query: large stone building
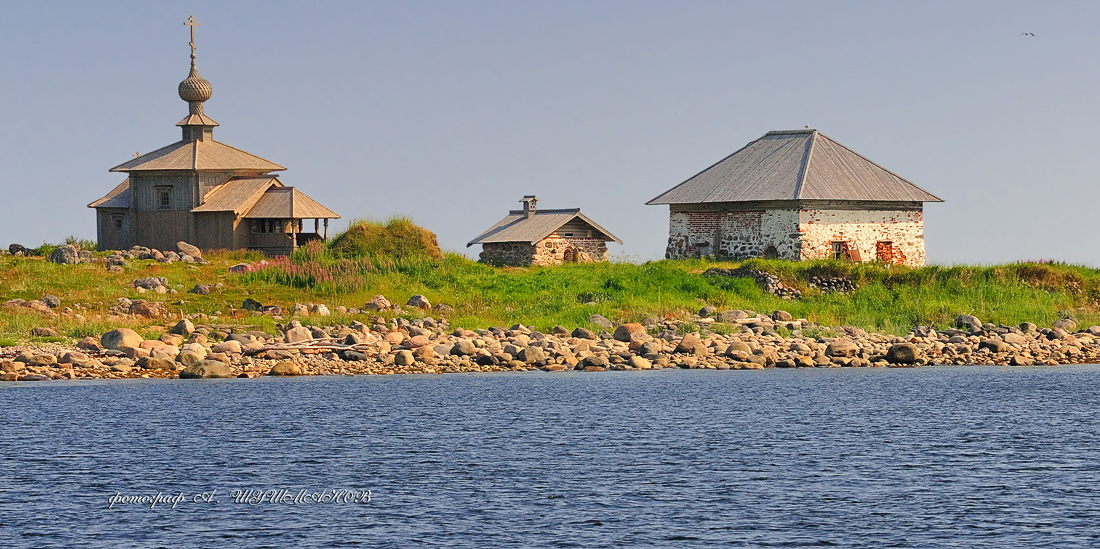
point(797, 195)
point(543, 237)
point(205, 192)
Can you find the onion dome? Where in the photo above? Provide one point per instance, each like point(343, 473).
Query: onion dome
point(195, 87)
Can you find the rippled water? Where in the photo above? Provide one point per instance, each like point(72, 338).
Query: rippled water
point(951, 457)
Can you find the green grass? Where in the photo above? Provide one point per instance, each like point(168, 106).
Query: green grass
point(889, 299)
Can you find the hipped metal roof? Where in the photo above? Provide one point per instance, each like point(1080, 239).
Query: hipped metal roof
point(208, 155)
point(794, 165)
point(518, 227)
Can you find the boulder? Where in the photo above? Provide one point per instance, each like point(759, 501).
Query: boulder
point(241, 268)
point(206, 369)
point(418, 301)
point(782, 316)
point(183, 327)
point(709, 310)
point(1066, 324)
point(994, 345)
point(121, 337)
point(285, 368)
point(902, 353)
point(463, 347)
point(842, 348)
point(533, 355)
point(968, 322)
point(89, 344)
point(65, 255)
point(44, 332)
point(378, 303)
point(299, 334)
point(691, 344)
point(732, 316)
point(188, 249)
point(230, 347)
point(200, 289)
point(404, 358)
point(320, 309)
point(51, 301)
point(640, 363)
point(584, 333)
point(601, 321)
point(147, 309)
point(252, 305)
point(155, 363)
point(625, 331)
point(1014, 338)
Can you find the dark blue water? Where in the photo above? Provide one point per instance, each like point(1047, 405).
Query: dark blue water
point(950, 457)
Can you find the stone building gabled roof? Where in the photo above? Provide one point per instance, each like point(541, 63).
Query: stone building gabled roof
point(518, 226)
point(198, 156)
point(794, 165)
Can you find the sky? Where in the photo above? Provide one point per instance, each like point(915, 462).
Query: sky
point(449, 112)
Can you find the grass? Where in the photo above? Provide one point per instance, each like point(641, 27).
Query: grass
point(889, 298)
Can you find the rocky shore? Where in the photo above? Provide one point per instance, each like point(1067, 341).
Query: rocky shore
point(712, 339)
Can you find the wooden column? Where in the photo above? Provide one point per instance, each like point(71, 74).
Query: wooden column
point(326, 229)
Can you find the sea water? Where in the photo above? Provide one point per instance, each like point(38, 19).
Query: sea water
point(944, 456)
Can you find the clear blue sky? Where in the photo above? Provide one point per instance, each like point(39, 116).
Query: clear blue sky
point(449, 112)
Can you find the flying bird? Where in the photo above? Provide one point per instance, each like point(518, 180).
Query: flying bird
point(1031, 34)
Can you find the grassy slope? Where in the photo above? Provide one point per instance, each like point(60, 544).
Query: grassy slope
point(890, 299)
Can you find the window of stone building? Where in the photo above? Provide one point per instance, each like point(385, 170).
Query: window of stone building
point(839, 250)
point(884, 251)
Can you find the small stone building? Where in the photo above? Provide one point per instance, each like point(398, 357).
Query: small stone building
point(797, 195)
point(543, 237)
point(205, 192)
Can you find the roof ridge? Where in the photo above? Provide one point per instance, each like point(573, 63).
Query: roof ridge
point(807, 157)
point(876, 164)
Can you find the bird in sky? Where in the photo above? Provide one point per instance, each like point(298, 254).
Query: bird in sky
point(1031, 34)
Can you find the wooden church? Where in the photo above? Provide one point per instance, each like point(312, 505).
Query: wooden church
point(206, 193)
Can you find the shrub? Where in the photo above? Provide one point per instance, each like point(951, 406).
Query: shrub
point(398, 238)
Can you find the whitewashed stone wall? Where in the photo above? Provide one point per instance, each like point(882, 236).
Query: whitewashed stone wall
point(794, 233)
point(735, 234)
point(863, 229)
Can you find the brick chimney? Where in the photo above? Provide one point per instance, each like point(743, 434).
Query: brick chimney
point(529, 202)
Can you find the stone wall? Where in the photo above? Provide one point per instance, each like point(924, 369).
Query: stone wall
point(555, 250)
point(513, 254)
point(864, 230)
point(552, 250)
point(733, 234)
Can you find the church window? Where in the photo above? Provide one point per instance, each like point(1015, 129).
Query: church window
point(117, 221)
point(164, 198)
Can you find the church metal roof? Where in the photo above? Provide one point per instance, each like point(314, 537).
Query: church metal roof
point(119, 197)
point(288, 203)
point(199, 155)
point(794, 165)
point(237, 195)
